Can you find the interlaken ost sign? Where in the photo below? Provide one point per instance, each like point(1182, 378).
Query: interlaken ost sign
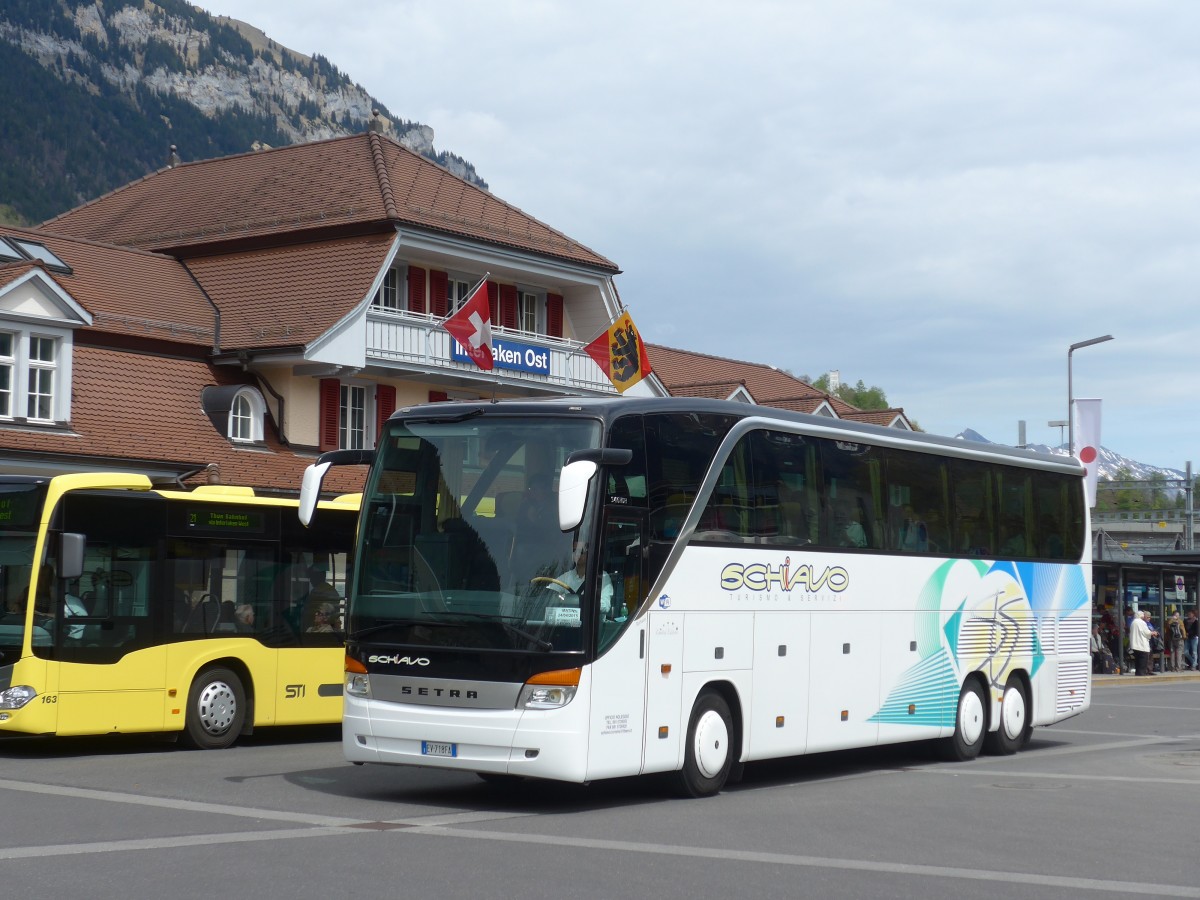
point(510, 355)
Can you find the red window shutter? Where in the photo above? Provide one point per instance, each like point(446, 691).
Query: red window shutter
point(416, 289)
point(554, 315)
point(439, 283)
point(385, 405)
point(493, 290)
point(438, 396)
point(331, 401)
point(508, 305)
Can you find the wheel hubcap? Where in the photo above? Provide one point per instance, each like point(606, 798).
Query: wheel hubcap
point(970, 717)
point(712, 744)
point(1012, 713)
point(217, 707)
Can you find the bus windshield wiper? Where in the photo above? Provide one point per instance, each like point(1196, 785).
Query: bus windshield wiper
point(461, 417)
point(398, 623)
point(506, 624)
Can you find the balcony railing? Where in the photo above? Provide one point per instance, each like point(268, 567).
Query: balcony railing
point(414, 339)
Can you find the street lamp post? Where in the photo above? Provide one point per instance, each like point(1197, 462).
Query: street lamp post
point(1070, 395)
point(1060, 424)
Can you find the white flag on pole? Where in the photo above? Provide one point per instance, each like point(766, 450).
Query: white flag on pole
point(1087, 443)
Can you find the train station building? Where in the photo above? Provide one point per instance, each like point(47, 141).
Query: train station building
point(223, 321)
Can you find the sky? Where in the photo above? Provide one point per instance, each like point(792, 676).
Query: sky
point(938, 198)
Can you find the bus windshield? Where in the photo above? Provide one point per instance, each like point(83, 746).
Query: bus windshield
point(20, 505)
point(460, 544)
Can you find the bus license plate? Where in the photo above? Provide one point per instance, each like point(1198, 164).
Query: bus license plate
point(436, 748)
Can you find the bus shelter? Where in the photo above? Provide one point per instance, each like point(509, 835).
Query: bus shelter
point(1164, 583)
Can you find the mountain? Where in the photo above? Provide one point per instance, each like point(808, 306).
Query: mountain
point(97, 92)
point(1110, 463)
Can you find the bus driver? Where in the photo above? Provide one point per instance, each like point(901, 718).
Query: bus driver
point(573, 579)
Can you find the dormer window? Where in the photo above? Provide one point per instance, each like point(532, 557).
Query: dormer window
point(246, 417)
point(237, 411)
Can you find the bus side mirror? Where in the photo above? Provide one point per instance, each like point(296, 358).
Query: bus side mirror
point(572, 492)
point(70, 555)
point(310, 490)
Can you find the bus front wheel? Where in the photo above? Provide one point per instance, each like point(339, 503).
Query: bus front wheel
point(970, 724)
point(708, 755)
point(216, 710)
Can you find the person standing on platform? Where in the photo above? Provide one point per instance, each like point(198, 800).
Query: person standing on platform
point(1139, 642)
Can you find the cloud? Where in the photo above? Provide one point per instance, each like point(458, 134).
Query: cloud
point(935, 197)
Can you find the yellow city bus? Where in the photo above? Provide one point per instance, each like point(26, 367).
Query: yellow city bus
point(129, 608)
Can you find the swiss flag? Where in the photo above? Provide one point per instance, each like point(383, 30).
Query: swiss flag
point(471, 326)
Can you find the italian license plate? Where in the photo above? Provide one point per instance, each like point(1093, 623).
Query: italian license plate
point(437, 748)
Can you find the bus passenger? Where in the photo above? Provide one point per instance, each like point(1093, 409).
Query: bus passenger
point(244, 616)
point(850, 531)
point(325, 620)
point(46, 607)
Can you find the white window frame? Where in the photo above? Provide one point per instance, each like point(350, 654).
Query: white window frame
point(8, 366)
point(41, 378)
point(531, 311)
point(391, 283)
point(458, 288)
point(247, 414)
point(28, 375)
point(347, 431)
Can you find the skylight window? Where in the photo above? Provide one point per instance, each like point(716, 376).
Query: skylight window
point(36, 250)
point(8, 253)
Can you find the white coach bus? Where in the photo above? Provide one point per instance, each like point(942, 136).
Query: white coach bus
point(590, 588)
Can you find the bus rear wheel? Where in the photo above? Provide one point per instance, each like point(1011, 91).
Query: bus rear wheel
point(1014, 728)
point(970, 724)
point(216, 710)
point(708, 755)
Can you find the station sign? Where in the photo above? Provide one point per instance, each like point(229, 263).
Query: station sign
point(510, 355)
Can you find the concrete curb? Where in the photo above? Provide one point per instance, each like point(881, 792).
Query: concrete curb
point(1156, 678)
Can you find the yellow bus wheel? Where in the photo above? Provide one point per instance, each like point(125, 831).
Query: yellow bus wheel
point(216, 710)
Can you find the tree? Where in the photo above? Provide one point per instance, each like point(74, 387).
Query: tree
point(859, 395)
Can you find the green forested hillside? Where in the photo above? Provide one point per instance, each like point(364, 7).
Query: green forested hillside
point(61, 145)
point(96, 93)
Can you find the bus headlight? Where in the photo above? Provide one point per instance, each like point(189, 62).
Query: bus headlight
point(16, 696)
point(358, 682)
point(549, 690)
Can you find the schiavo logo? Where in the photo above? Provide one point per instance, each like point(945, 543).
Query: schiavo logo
point(762, 577)
point(397, 660)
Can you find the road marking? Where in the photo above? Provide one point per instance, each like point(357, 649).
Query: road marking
point(166, 803)
point(1138, 779)
point(819, 862)
point(440, 825)
point(1070, 751)
point(166, 843)
point(559, 841)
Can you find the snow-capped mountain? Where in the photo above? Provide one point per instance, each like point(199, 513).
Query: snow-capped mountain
point(1110, 463)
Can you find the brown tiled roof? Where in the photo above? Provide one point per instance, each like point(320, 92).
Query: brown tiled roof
point(681, 370)
point(126, 291)
point(686, 373)
point(290, 295)
point(363, 181)
point(147, 408)
point(883, 417)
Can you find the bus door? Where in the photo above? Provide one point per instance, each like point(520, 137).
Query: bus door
point(618, 684)
point(107, 641)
